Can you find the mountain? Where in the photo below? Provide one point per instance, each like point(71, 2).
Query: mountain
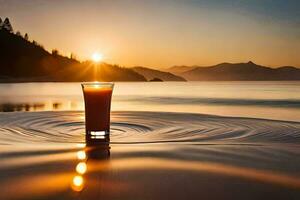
point(180, 69)
point(241, 72)
point(150, 74)
point(156, 80)
point(25, 61)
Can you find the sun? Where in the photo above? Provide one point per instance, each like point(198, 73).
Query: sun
point(97, 57)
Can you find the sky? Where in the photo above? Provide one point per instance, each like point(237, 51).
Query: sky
point(163, 33)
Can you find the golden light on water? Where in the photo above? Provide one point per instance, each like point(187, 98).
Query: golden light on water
point(78, 180)
point(81, 155)
point(81, 168)
point(77, 183)
point(81, 145)
point(97, 57)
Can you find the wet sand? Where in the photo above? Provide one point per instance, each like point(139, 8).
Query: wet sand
point(151, 155)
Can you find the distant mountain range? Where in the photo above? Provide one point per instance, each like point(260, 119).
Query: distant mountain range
point(236, 72)
point(22, 60)
point(180, 69)
point(151, 74)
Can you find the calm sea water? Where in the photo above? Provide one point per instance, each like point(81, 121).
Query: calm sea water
point(272, 100)
point(44, 155)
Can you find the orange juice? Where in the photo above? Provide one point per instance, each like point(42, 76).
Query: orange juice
point(97, 99)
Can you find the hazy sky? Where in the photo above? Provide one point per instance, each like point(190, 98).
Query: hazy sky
point(164, 33)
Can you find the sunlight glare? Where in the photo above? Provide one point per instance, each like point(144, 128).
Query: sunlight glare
point(81, 167)
point(97, 57)
point(81, 155)
point(77, 183)
point(78, 180)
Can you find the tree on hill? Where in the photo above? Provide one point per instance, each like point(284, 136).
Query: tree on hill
point(26, 37)
point(18, 33)
point(55, 52)
point(6, 25)
point(0, 23)
point(73, 56)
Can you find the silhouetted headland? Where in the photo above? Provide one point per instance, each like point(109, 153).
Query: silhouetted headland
point(22, 60)
point(151, 74)
point(156, 80)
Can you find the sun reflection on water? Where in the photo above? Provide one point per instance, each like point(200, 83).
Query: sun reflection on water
point(94, 149)
point(81, 155)
point(81, 168)
point(77, 183)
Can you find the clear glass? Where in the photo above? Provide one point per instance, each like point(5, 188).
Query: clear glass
point(97, 101)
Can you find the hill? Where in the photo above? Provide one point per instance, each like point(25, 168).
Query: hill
point(150, 74)
point(156, 80)
point(180, 69)
point(241, 72)
point(25, 61)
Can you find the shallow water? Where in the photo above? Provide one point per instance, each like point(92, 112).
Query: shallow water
point(157, 149)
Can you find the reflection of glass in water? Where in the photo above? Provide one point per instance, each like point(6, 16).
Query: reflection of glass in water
point(95, 149)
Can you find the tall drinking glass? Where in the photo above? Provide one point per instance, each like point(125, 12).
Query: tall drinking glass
point(97, 100)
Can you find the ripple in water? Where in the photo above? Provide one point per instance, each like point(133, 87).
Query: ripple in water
point(147, 127)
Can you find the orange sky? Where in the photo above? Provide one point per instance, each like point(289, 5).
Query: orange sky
point(163, 33)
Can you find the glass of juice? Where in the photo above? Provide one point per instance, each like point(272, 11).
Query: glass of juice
point(97, 100)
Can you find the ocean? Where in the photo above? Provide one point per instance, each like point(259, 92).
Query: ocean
point(168, 140)
point(271, 100)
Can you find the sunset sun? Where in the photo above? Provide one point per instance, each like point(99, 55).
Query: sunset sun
point(97, 57)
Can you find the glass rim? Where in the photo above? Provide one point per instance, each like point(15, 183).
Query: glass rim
point(98, 83)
